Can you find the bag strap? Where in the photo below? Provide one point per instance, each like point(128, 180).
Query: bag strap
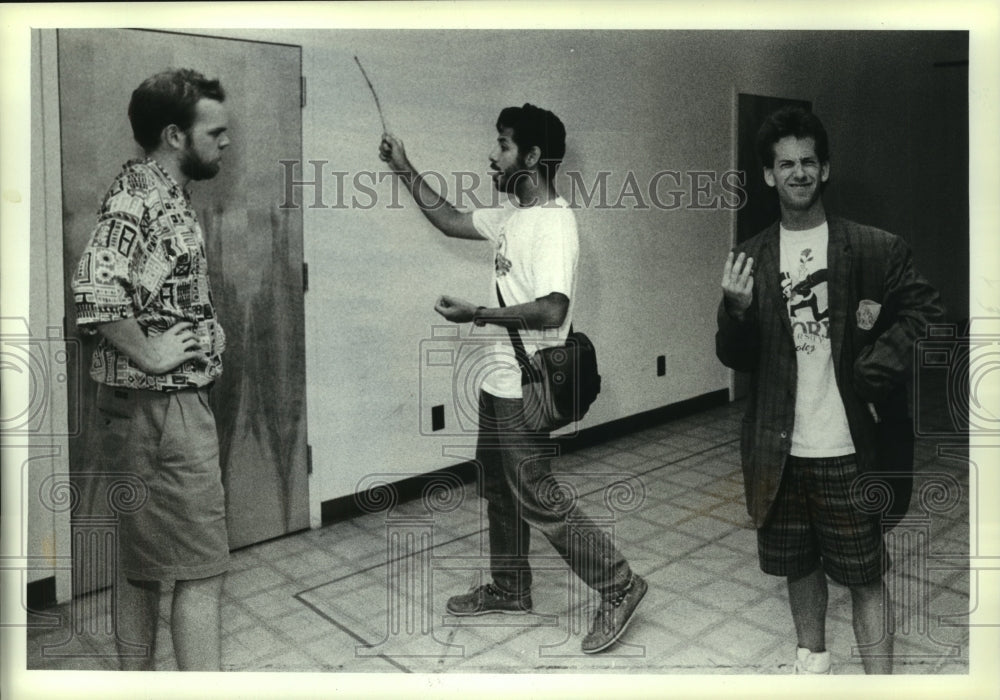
point(519, 351)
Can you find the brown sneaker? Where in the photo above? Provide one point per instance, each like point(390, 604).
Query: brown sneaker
point(613, 616)
point(487, 599)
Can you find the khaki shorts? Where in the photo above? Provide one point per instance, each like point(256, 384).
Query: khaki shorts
point(166, 442)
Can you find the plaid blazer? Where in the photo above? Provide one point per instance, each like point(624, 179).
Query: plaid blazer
point(872, 362)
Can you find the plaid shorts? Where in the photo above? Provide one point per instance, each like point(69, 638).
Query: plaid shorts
point(813, 521)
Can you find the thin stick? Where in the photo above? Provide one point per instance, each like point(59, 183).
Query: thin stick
point(378, 105)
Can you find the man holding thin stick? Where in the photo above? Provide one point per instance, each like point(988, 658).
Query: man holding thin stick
point(532, 288)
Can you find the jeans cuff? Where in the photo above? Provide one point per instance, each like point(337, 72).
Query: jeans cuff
point(508, 594)
point(619, 589)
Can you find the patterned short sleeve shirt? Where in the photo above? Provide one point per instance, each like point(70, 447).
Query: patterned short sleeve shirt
point(146, 260)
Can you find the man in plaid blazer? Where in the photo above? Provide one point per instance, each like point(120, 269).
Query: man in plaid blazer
point(823, 314)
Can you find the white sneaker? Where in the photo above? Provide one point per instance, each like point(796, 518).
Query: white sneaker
point(808, 662)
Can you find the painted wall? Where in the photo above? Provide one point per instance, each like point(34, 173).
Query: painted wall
point(632, 102)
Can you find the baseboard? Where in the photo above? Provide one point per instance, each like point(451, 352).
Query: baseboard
point(41, 594)
point(641, 421)
point(346, 507)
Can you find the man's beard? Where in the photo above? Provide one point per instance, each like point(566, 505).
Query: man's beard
point(194, 168)
point(514, 177)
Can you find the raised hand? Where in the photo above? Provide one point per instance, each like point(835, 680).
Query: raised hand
point(737, 283)
point(391, 151)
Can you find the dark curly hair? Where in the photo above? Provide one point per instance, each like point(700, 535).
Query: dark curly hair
point(533, 126)
point(791, 121)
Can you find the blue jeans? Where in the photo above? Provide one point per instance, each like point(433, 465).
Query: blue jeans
point(520, 492)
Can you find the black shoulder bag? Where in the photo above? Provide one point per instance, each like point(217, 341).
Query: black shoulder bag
point(559, 383)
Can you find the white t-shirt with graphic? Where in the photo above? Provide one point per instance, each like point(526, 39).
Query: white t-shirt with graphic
point(536, 254)
point(821, 428)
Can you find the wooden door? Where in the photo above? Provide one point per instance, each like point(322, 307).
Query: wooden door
point(254, 251)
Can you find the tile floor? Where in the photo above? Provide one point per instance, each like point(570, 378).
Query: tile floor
point(368, 594)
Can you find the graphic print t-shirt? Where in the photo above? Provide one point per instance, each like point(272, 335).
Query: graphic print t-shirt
point(821, 428)
point(536, 250)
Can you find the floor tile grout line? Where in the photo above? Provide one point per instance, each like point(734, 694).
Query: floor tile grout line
point(679, 459)
point(265, 623)
point(462, 537)
point(695, 491)
point(378, 565)
point(485, 650)
point(351, 633)
point(744, 666)
point(387, 562)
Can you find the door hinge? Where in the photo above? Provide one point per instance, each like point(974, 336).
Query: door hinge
point(309, 459)
point(302, 91)
point(305, 276)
